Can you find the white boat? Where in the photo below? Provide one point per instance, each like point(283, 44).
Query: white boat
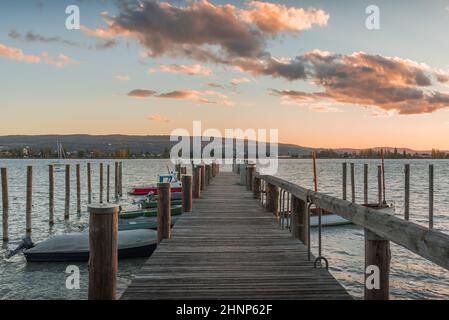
point(59, 166)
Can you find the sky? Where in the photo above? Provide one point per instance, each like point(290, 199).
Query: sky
point(311, 69)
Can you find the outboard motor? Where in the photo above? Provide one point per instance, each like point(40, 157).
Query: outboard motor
point(26, 243)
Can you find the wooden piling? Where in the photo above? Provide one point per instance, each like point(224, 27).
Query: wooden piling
point(103, 246)
point(196, 182)
point(183, 170)
point(78, 189)
point(207, 177)
point(51, 195)
point(29, 200)
point(300, 220)
point(5, 204)
point(120, 170)
point(108, 183)
point(407, 192)
point(116, 182)
point(377, 254)
point(352, 183)
point(379, 184)
point(89, 184)
point(163, 211)
point(365, 183)
point(256, 188)
point(203, 177)
point(250, 170)
point(67, 193)
point(431, 187)
point(344, 180)
point(186, 193)
point(101, 183)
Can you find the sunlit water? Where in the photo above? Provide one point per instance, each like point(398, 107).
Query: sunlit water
point(411, 276)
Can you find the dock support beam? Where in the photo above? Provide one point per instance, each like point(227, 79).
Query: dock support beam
point(103, 248)
point(186, 193)
point(299, 220)
point(163, 211)
point(377, 267)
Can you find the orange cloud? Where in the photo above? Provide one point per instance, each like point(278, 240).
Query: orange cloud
point(122, 77)
point(192, 70)
point(17, 54)
point(158, 118)
point(237, 81)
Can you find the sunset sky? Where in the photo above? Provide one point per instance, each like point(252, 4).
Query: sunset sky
point(309, 68)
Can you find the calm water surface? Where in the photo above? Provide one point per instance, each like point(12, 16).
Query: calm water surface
point(411, 276)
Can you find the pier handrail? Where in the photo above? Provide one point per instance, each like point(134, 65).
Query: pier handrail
point(429, 244)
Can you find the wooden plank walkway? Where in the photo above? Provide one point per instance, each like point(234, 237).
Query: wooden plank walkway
point(230, 248)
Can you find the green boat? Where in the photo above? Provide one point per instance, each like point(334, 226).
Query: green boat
point(152, 212)
point(150, 201)
point(153, 204)
point(141, 223)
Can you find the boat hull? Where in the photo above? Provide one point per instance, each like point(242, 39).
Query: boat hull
point(141, 223)
point(152, 212)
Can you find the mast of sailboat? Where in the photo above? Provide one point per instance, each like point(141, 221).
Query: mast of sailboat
point(315, 177)
point(383, 175)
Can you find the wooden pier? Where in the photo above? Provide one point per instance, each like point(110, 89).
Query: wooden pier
point(230, 247)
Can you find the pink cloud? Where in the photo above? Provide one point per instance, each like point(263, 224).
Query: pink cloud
point(158, 118)
point(192, 70)
point(122, 77)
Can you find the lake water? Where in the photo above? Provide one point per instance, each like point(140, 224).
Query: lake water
point(411, 276)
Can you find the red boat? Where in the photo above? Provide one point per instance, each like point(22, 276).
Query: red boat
point(176, 186)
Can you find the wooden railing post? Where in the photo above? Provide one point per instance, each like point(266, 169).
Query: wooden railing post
point(273, 199)
point(299, 220)
point(163, 211)
point(5, 204)
point(242, 173)
point(208, 174)
point(256, 188)
point(377, 267)
point(202, 177)
point(103, 251)
point(29, 200)
point(67, 193)
point(250, 170)
point(196, 182)
point(186, 193)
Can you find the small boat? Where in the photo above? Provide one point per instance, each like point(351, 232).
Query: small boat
point(59, 166)
point(152, 212)
point(141, 223)
point(150, 201)
point(75, 247)
point(175, 186)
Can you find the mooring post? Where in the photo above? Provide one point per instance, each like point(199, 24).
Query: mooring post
point(183, 170)
point(431, 196)
point(196, 182)
point(51, 195)
point(344, 180)
point(300, 220)
point(120, 169)
point(186, 193)
point(379, 184)
point(101, 183)
point(78, 189)
point(89, 184)
point(108, 182)
point(377, 267)
point(352, 183)
point(407, 193)
point(116, 182)
point(5, 204)
point(103, 247)
point(203, 177)
point(163, 211)
point(242, 173)
point(250, 169)
point(207, 179)
point(67, 193)
point(29, 200)
point(256, 188)
point(365, 183)
point(178, 171)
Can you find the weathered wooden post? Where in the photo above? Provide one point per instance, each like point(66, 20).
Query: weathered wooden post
point(89, 184)
point(78, 189)
point(344, 180)
point(273, 199)
point(207, 179)
point(67, 193)
point(163, 211)
point(300, 220)
point(101, 183)
point(352, 183)
point(203, 177)
point(178, 171)
point(250, 169)
point(196, 182)
point(431, 196)
point(186, 193)
point(256, 188)
point(365, 183)
point(407, 193)
point(379, 184)
point(5, 204)
point(116, 182)
point(108, 183)
point(377, 263)
point(183, 170)
point(120, 169)
point(103, 246)
point(29, 200)
point(51, 195)
point(242, 173)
